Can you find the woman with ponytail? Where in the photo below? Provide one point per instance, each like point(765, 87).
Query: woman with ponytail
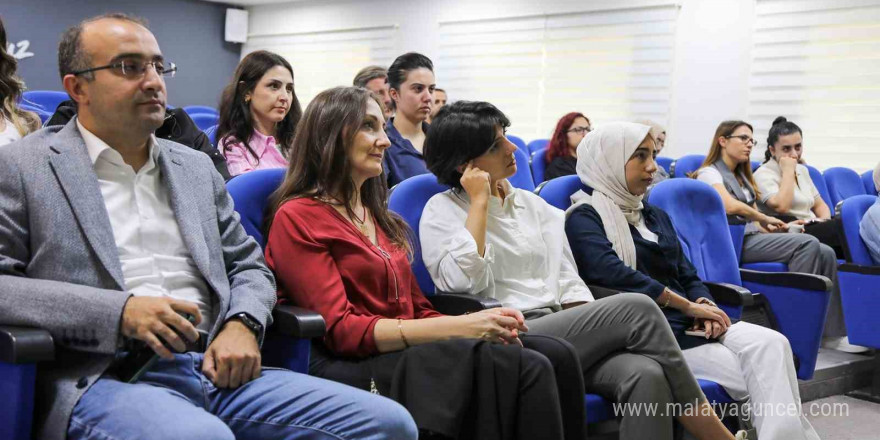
point(788, 192)
point(15, 123)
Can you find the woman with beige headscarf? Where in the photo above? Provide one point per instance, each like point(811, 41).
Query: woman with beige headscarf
point(487, 238)
point(625, 244)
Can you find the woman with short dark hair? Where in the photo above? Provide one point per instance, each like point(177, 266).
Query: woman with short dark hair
point(487, 238)
point(259, 111)
point(335, 248)
point(411, 86)
point(15, 123)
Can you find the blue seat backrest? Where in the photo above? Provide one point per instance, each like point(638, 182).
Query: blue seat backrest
point(536, 145)
point(539, 165)
point(697, 213)
point(408, 200)
point(523, 177)
point(196, 109)
point(819, 181)
point(842, 183)
point(685, 165)
point(518, 141)
point(868, 181)
point(665, 162)
point(755, 165)
point(205, 120)
point(250, 192)
point(212, 135)
point(851, 212)
point(45, 100)
point(557, 192)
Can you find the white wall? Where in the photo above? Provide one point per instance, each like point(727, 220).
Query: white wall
point(713, 43)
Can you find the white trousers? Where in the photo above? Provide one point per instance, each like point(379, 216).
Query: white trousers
point(755, 363)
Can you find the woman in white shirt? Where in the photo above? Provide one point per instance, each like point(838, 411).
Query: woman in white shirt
point(488, 238)
point(728, 169)
point(15, 123)
point(788, 192)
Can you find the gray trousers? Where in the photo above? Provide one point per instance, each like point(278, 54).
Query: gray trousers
point(629, 356)
point(803, 253)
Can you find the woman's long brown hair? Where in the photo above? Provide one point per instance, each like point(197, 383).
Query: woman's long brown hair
point(725, 129)
point(319, 164)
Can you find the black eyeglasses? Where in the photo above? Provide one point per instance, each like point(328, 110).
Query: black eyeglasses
point(580, 130)
point(745, 139)
point(136, 69)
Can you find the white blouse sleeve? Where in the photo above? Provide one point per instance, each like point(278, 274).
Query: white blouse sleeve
point(449, 251)
point(710, 175)
point(571, 287)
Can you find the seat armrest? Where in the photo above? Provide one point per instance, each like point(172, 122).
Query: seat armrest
point(460, 303)
point(730, 294)
point(24, 345)
point(795, 280)
point(297, 322)
point(857, 268)
point(600, 292)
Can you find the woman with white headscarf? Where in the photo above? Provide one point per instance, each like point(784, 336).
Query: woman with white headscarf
point(623, 243)
point(487, 238)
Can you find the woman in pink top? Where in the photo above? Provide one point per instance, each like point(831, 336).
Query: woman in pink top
point(258, 114)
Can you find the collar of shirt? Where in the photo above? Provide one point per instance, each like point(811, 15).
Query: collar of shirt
point(495, 205)
point(259, 142)
point(98, 149)
point(401, 142)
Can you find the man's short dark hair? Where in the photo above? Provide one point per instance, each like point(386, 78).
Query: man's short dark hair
point(368, 74)
point(459, 133)
point(72, 57)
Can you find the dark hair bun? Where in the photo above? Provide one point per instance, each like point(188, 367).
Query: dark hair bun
point(779, 120)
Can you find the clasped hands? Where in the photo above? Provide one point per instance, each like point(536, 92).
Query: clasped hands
point(233, 358)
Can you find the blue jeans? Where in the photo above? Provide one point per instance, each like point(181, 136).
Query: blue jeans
point(176, 401)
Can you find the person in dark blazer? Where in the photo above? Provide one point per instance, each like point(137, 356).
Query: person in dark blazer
point(108, 233)
point(177, 127)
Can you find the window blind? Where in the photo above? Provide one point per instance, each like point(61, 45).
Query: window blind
point(331, 58)
point(613, 64)
point(817, 62)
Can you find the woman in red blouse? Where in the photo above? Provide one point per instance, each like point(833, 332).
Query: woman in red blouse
point(336, 249)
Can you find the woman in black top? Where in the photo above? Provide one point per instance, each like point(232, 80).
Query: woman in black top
point(562, 149)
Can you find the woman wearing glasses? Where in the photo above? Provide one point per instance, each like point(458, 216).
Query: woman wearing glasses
point(15, 123)
point(562, 150)
point(258, 114)
point(728, 169)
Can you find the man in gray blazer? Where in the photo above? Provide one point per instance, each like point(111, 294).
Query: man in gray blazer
point(107, 234)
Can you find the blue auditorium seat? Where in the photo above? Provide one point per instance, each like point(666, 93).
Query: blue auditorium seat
point(755, 165)
point(521, 144)
point(536, 145)
point(819, 181)
point(20, 350)
point(197, 109)
point(687, 164)
point(287, 343)
point(45, 100)
point(205, 120)
point(557, 192)
point(868, 181)
point(858, 279)
point(538, 162)
point(842, 183)
point(665, 162)
point(212, 135)
point(523, 177)
point(798, 301)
